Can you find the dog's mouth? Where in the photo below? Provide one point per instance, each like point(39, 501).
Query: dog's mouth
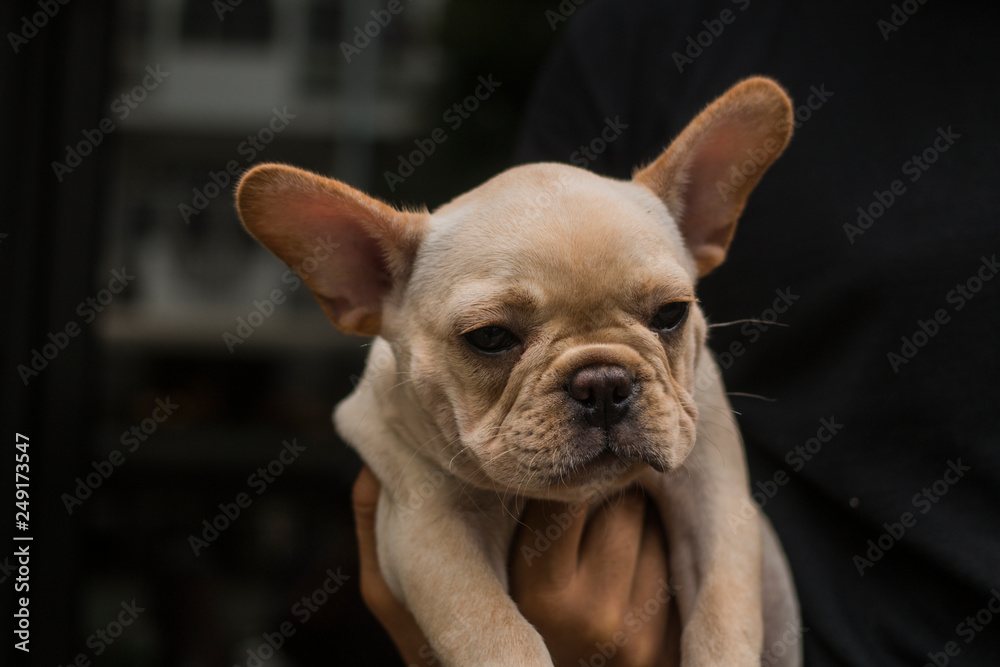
point(569, 459)
point(609, 458)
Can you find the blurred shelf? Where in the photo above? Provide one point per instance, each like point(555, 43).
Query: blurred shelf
point(202, 328)
point(233, 448)
point(199, 111)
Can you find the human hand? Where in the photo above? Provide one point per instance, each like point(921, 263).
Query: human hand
point(390, 612)
point(599, 594)
point(598, 591)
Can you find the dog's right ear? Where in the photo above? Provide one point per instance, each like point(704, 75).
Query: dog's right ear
point(350, 249)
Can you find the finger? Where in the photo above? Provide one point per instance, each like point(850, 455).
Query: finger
point(365, 492)
point(548, 543)
point(374, 591)
point(652, 566)
point(611, 542)
point(389, 611)
point(652, 603)
point(364, 500)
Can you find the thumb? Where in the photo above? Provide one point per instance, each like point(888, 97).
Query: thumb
point(389, 611)
point(364, 499)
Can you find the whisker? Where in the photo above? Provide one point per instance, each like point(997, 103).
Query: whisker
point(717, 409)
point(743, 393)
point(749, 319)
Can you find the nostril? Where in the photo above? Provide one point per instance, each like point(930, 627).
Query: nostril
point(620, 383)
point(604, 392)
point(622, 393)
point(581, 386)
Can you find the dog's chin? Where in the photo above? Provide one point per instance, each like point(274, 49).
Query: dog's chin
point(605, 472)
point(597, 463)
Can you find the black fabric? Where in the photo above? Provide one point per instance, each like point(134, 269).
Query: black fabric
point(899, 425)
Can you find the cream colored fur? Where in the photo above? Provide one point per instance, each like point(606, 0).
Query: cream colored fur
point(575, 265)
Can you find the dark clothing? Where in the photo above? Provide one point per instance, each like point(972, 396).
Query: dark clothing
point(875, 241)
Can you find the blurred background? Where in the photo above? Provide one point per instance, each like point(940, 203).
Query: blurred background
point(157, 379)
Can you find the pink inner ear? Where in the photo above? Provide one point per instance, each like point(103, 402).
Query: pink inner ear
point(347, 247)
point(364, 270)
point(354, 281)
point(709, 216)
point(709, 170)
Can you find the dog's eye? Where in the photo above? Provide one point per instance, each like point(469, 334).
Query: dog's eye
point(491, 339)
point(669, 316)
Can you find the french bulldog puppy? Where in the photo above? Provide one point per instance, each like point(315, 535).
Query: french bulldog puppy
point(540, 337)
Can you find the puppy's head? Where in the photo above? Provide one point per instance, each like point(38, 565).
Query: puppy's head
point(545, 323)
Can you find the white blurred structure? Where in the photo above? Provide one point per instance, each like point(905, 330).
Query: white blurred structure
point(233, 65)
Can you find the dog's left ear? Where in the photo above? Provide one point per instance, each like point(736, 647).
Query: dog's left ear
point(706, 174)
point(350, 249)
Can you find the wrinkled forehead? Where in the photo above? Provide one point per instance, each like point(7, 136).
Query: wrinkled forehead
point(553, 228)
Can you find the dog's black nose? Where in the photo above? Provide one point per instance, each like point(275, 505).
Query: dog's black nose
point(604, 393)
